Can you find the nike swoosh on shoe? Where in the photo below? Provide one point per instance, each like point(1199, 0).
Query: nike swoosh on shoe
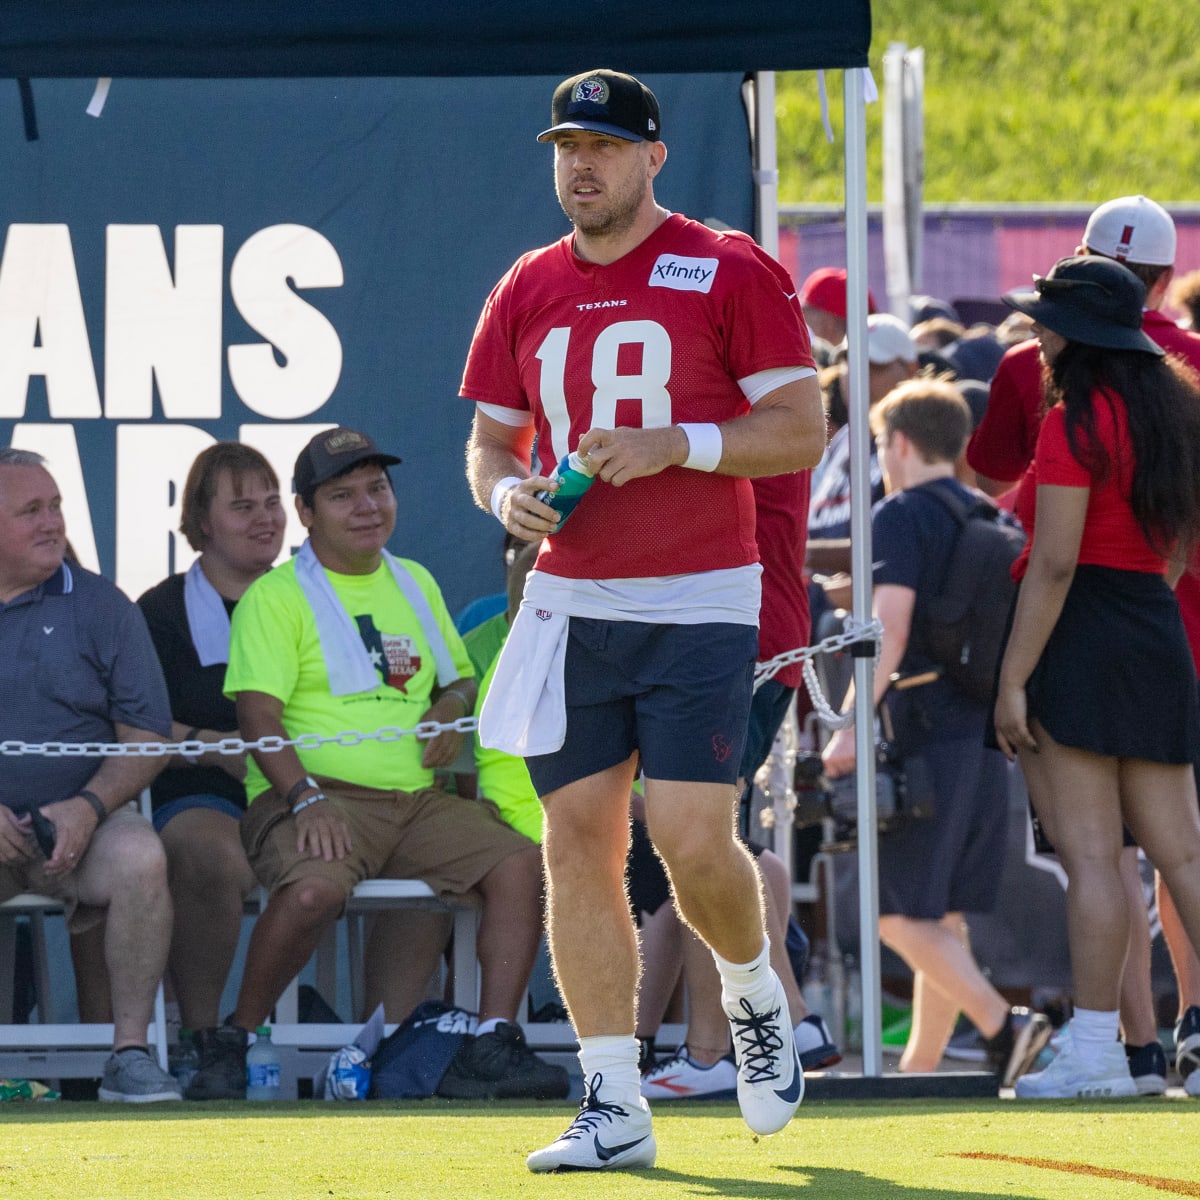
point(604, 1153)
point(791, 1093)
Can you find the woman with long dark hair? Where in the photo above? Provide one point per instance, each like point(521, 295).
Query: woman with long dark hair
point(1097, 693)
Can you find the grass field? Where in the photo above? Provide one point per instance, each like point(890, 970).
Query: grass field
point(1025, 100)
point(893, 1150)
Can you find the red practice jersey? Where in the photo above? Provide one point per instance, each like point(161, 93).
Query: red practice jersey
point(659, 337)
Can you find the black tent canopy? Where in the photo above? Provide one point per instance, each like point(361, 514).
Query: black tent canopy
point(248, 38)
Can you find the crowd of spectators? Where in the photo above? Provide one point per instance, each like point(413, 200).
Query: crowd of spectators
point(238, 645)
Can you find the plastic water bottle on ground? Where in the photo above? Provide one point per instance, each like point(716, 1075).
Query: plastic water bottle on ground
point(574, 478)
point(817, 991)
point(262, 1067)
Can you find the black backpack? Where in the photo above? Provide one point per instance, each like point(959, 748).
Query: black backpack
point(409, 1063)
point(962, 627)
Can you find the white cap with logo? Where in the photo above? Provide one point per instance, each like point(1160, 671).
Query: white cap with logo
point(1132, 229)
point(888, 340)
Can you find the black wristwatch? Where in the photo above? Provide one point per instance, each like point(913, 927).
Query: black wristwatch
point(302, 786)
point(97, 805)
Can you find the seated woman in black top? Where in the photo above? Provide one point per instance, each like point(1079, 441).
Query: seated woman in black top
point(233, 515)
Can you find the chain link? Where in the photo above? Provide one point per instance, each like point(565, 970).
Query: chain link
point(272, 743)
point(854, 631)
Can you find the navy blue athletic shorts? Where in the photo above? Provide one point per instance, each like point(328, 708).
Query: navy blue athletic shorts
point(678, 694)
point(769, 707)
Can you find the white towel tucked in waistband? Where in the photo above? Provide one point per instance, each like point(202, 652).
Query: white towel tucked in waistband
point(524, 712)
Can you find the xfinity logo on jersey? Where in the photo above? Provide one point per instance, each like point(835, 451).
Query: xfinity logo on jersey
point(683, 274)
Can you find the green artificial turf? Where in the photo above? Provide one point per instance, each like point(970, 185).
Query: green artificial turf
point(891, 1150)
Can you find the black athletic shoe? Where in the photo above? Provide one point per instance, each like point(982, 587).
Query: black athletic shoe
point(1148, 1066)
point(1187, 1042)
point(221, 1074)
point(500, 1066)
point(1014, 1050)
point(647, 1058)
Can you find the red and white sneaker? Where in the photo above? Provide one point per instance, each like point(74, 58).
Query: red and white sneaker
point(682, 1078)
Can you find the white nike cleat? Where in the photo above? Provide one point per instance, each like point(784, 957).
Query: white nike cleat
point(603, 1137)
point(770, 1082)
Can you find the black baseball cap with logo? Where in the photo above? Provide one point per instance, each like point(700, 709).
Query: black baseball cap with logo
point(332, 452)
point(604, 101)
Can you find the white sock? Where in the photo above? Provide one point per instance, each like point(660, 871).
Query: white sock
point(753, 981)
point(1092, 1031)
point(615, 1060)
point(488, 1026)
point(808, 1036)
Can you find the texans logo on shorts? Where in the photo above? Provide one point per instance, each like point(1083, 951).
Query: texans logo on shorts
point(722, 749)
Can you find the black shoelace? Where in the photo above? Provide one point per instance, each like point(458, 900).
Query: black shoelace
point(758, 1042)
point(593, 1111)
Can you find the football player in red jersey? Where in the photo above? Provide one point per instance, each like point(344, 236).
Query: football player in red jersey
point(675, 360)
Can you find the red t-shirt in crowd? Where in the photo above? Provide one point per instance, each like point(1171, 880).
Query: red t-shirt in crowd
point(1003, 445)
point(783, 620)
point(1112, 536)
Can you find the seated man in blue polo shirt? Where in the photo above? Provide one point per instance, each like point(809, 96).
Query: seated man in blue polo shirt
point(77, 665)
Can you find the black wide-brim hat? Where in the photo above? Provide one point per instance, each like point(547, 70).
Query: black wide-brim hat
point(1089, 299)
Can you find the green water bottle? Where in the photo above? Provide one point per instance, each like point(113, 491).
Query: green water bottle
point(574, 479)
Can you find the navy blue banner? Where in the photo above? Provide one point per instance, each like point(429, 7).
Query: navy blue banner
point(260, 259)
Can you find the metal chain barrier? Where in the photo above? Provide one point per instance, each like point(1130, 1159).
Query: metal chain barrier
point(233, 745)
point(855, 632)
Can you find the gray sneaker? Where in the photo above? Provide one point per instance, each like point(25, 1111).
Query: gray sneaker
point(131, 1076)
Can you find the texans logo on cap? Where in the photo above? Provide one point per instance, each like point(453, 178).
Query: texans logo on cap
point(594, 91)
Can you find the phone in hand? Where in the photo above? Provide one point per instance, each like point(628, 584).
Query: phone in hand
point(44, 832)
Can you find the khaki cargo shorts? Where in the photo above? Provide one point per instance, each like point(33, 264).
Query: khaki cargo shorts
point(447, 842)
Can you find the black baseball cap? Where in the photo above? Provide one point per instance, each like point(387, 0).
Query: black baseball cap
point(1089, 299)
point(604, 101)
point(332, 452)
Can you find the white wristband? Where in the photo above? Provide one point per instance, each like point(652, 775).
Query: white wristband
point(501, 490)
point(705, 445)
point(297, 809)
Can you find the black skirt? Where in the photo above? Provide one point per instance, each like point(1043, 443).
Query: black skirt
point(1117, 676)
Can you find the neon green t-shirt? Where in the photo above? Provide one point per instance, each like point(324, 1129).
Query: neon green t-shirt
point(503, 778)
point(274, 648)
point(485, 642)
